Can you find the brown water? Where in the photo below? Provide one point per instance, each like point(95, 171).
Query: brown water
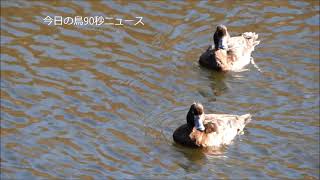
point(103, 101)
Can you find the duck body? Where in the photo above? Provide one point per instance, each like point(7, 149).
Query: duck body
point(229, 53)
point(220, 129)
point(228, 127)
point(181, 136)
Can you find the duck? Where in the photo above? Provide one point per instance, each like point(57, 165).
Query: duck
point(229, 53)
point(209, 130)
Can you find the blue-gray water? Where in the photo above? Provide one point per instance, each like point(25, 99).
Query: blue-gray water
point(96, 102)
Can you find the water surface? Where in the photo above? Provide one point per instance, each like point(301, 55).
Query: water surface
point(92, 102)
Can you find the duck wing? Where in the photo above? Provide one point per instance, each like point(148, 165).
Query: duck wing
point(228, 126)
point(243, 45)
point(224, 128)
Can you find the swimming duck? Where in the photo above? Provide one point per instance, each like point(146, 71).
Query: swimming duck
point(209, 130)
point(229, 53)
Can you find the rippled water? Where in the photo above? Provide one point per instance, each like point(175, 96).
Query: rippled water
point(103, 101)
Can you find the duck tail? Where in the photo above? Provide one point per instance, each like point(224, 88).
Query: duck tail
point(246, 118)
point(252, 39)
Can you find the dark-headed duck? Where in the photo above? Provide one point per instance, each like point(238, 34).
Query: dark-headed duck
point(209, 130)
point(229, 53)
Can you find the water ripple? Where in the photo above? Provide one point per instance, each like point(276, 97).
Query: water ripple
point(96, 102)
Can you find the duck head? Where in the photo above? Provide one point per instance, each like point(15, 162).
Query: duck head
point(195, 117)
point(221, 37)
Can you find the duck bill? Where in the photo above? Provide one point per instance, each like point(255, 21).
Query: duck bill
point(198, 122)
point(223, 43)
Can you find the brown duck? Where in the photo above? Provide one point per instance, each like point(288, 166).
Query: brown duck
point(229, 53)
point(209, 130)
